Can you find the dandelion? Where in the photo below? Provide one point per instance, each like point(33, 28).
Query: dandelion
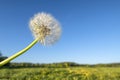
point(45, 29)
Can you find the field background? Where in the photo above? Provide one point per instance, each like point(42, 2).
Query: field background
point(60, 71)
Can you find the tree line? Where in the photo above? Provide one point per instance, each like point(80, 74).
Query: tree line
point(58, 65)
point(54, 65)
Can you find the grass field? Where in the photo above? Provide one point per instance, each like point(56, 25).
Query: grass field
point(74, 73)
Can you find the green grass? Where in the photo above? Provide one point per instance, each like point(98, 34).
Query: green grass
point(75, 73)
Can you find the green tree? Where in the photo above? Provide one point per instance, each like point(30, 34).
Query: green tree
point(0, 53)
point(3, 58)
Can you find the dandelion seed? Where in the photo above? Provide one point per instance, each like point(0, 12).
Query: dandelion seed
point(46, 28)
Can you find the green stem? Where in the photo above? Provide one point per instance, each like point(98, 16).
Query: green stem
point(18, 53)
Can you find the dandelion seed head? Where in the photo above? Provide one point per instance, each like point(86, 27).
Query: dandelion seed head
point(45, 28)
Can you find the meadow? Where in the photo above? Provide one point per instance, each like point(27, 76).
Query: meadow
point(69, 73)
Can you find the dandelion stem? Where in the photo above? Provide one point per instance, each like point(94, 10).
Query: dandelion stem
point(18, 53)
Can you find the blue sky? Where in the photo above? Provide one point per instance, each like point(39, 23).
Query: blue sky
point(90, 30)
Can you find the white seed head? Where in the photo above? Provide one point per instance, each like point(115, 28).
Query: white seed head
point(45, 28)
